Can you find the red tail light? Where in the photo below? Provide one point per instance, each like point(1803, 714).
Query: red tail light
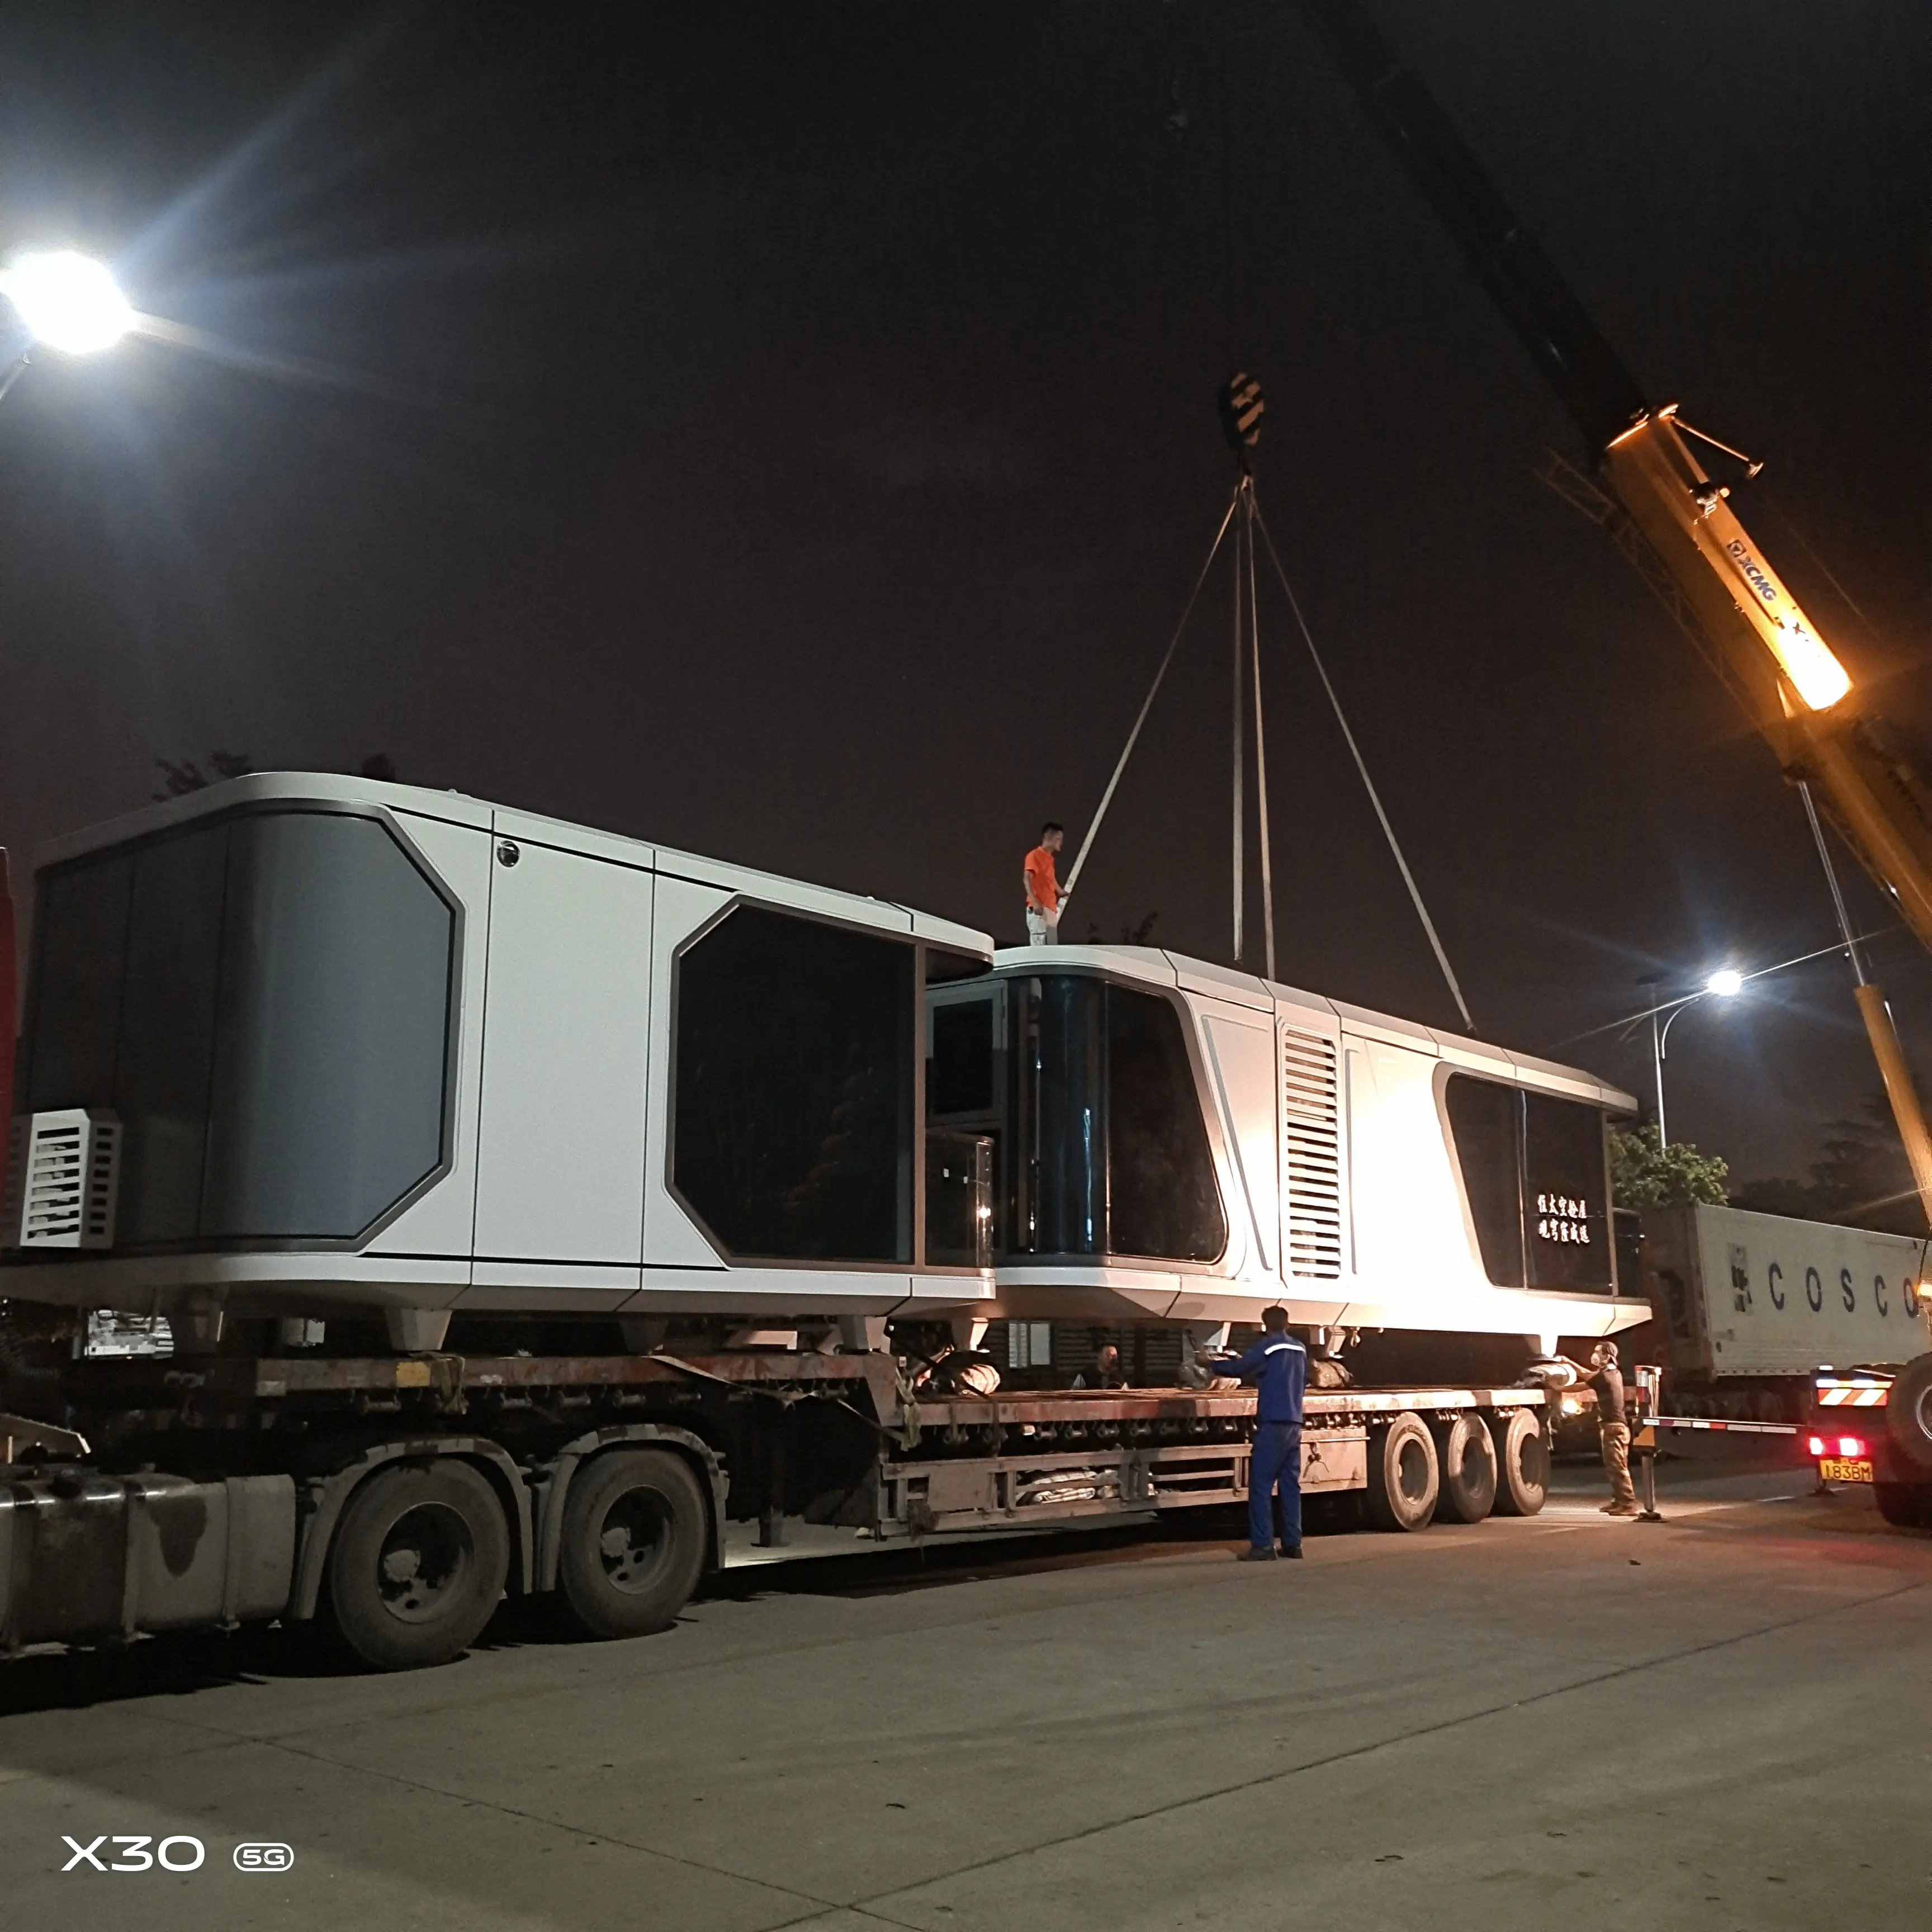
point(1817, 1445)
point(1850, 1445)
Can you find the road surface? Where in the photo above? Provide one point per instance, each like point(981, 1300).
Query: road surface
point(1722, 1721)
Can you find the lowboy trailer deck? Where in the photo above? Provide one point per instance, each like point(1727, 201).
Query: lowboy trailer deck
point(401, 1498)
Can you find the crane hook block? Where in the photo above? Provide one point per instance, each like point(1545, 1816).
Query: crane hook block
point(1242, 409)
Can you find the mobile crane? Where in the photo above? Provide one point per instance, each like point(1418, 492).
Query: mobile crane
point(1674, 520)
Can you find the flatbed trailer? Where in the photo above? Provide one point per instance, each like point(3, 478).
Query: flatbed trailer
point(402, 1498)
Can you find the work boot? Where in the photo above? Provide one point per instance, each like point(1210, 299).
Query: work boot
point(1253, 1555)
point(1622, 1509)
point(1292, 1549)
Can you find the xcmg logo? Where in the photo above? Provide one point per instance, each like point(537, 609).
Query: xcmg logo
point(131, 1853)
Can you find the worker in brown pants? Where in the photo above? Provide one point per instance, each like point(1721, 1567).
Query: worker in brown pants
point(1609, 1380)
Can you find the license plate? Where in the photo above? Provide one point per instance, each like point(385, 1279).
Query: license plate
point(1836, 1469)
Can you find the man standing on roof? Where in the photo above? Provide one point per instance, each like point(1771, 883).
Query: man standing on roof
point(1044, 898)
point(1277, 1365)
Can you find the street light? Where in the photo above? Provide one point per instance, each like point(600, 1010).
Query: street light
point(1723, 985)
point(66, 300)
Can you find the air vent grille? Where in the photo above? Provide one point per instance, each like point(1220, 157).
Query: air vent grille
point(1311, 1156)
point(63, 1171)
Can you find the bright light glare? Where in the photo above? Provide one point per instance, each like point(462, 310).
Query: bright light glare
point(1820, 680)
point(1725, 984)
point(68, 300)
point(1850, 1445)
point(1817, 1445)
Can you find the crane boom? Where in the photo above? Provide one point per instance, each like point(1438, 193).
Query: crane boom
point(1790, 682)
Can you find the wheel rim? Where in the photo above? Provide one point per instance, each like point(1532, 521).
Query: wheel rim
point(425, 1563)
point(1411, 1472)
point(1921, 1415)
point(634, 1540)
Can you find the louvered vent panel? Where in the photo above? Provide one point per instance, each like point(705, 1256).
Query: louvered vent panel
point(64, 1174)
point(1312, 1156)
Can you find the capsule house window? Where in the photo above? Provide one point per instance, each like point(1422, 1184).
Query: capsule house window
point(1109, 1152)
point(793, 1131)
point(265, 1000)
point(1533, 1175)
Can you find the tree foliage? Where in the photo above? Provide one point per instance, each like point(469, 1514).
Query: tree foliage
point(1644, 1173)
point(1863, 1180)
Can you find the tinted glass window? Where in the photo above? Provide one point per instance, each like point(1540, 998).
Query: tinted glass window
point(1486, 1120)
point(794, 1124)
point(1109, 1154)
point(1533, 1174)
point(1162, 1201)
point(265, 1003)
point(959, 1076)
point(1567, 1203)
point(167, 1033)
point(80, 920)
point(332, 1029)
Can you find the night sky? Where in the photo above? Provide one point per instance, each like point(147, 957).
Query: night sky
point(788, 432)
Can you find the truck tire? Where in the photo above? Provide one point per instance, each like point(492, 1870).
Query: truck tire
point(633, 1542)
point(1908, 1412)
point(1902, 1504)
point(1404, 1477)
point(418, 1564)
point(1523, 1462)
point(1469, 1460)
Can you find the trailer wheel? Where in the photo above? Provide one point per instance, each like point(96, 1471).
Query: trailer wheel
point(1468, 1458)
point(1522, 1462)
point(1404, 1476)
point(418, 1564)
point(1908, 1411)
point(633, 1542)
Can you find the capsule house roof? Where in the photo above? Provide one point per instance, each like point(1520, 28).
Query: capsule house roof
point(1203, 976)
point(459, 808)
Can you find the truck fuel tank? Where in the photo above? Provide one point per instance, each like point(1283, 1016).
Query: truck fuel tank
point(86, 1554)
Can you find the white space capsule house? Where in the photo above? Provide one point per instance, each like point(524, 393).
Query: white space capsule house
point(360, 1048)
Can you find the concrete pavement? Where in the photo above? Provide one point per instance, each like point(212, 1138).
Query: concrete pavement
point(1722, 1721)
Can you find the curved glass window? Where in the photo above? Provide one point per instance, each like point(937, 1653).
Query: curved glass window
point(792, 1136)
point(265, 1001)
point(1109, 1152)
point(1533, 1173)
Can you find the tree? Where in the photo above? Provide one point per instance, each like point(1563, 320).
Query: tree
point(187, 776)
point(1141, 934)
point(1646, 1174)
point(1864, 1181)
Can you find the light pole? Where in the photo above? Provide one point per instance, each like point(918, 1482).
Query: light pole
point(1723, 984)
point(65, 301)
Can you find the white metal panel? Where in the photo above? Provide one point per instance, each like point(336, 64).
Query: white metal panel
point(671, 1238)
point(1546, 1076)
point(586, 840)
point(442, 1221)
point(260, 787)
point(1242, 1056)
point(1131, 963)
point(1385, 1027)
point(560, 1172)
point(768, 889)
point(1409, 1232)
point(1223, 983)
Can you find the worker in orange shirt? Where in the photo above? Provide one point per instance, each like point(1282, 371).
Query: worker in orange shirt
point(1044, 898)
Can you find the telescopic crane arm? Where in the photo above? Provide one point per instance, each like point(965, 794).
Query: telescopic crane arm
point(1769, 654)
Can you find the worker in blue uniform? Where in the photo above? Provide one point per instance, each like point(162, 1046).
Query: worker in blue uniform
point(1277, 1366)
